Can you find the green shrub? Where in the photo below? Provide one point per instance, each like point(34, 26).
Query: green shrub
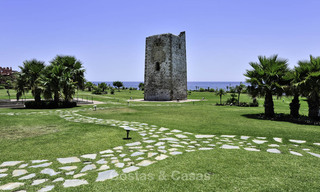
point(97, 91)
point(202, 89)
point(141, 86)
point(245, 104)
point(233, 99)
point(49, 104)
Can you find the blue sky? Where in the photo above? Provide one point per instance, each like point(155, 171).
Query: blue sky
point(223, 36)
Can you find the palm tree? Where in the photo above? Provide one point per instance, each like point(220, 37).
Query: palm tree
point(68, 75)
point(52, 81)
point(266, 79)
point(103, 86)
point(20, 86)
point(239, 88)
point(89, 85)
point(220, 92)
point(293, 77)
point(30, 77)
point(309, 72)
point(68, 87)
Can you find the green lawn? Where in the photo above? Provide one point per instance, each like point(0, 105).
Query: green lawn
point(29, 135)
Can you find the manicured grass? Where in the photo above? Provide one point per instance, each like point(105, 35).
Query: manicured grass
point(41, 136)
point(210, 119)
point(49, 136)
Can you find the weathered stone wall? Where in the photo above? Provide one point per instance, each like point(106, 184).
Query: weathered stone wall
point(165, 68)
point(179, 67)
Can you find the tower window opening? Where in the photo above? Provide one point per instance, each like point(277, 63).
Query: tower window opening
point(179, 45)
point(157, 66)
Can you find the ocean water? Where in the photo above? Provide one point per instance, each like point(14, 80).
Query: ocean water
point(192, 85)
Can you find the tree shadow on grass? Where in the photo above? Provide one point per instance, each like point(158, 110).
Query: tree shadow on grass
point(303, 120)
point(44, 108)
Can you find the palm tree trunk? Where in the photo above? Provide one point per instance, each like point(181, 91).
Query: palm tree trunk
point(37, 98)
point(313, 104)
point(220, 99)
point(238, 98)
point(56, 97)
point(295, 106)
point(268, 105)
point(37, 95)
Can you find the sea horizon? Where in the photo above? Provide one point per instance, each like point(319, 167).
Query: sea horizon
point(192, 85)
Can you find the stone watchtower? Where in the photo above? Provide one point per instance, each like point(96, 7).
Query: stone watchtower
point(165, 76)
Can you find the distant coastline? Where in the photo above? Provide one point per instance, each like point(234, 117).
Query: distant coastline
point(192, 85)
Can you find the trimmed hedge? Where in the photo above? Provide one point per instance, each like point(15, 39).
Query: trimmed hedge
point(242, 104)
point(49, 104)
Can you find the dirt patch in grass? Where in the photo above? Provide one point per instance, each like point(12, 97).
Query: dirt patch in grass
point(25, 132)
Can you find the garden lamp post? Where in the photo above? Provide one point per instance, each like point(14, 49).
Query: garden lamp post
point(128, 129)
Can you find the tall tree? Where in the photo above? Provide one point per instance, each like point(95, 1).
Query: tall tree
point(309, 72)
point(293, 89)
point(141, 86)
point(52, 81)
point(239, 89)
point(20, 86)
point(266, 80)
point(117, 84)
point(220, 93)
point(70, 75)
point(103, 86)
point(30, 77)
point(89, 85)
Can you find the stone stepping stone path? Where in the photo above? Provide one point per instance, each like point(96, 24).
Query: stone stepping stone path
point(158, 143)
point(102, 176)
point(10, 186)
point(229, 147)
point(273, 151)
point(39, 181)
point(296, 141)
point(296, 153)
point(74, 182)
point(47, 188)
point(68, 160)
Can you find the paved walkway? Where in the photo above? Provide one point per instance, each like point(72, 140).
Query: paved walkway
point(158, 143)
